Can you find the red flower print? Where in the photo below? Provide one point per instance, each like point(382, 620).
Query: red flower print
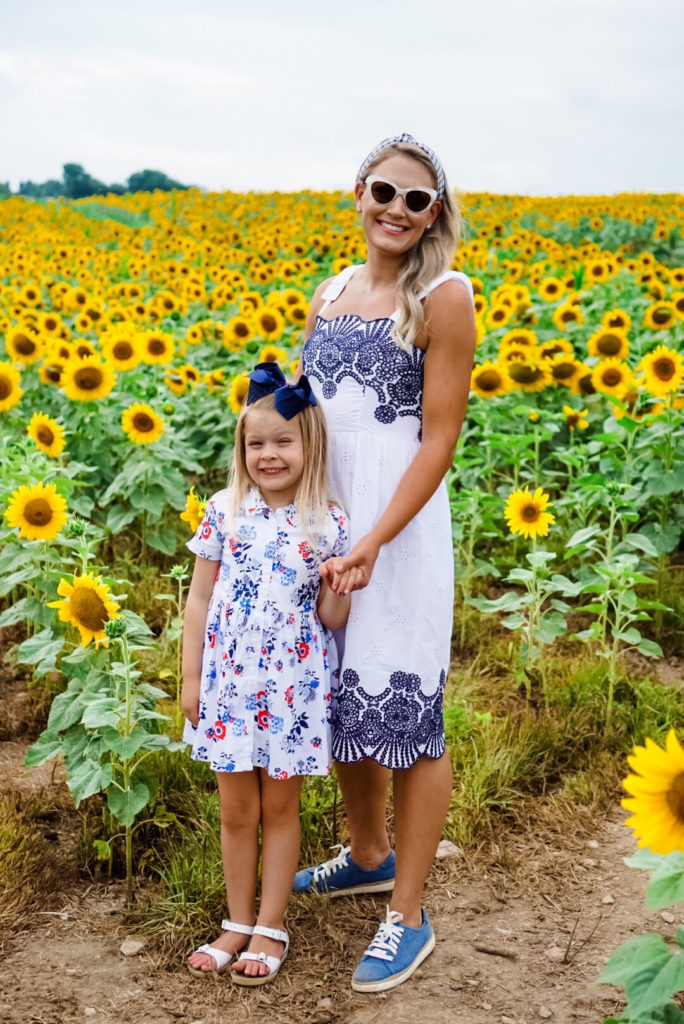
point(212, 640)
point(261, 694)
point(289, 696)
point(206, 530)
point(262, 719)
point(219, 731)
point(304, 549)
point(302, 650)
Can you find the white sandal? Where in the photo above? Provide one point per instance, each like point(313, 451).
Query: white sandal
point(272, 962)
point(222, 958)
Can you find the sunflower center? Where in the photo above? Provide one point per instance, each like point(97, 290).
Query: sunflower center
point(524, 373)
point(24, 345)
point(5, 388)
point(156, 347)
point(561, 371)
point(88, 608)
point(241, 330)
point(611, 377)
point(88, 378)
point(609, 344)
point(489, 380)
point(44, 434)
point(268, 323)
point(675, 797)
point(38, 512)
point(572, 419)
point(568, 315)
point(50, 324)
point(616, 321)
point(143, 422)
point(123, 350)
point(662, 316)
point(530, 513)
point(664, 369)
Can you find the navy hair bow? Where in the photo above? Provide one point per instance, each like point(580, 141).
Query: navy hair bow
point(292, 398)
point(264, 379)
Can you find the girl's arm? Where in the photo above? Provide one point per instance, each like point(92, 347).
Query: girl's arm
point(333, 609)
point(447, 369)
point(194, 625)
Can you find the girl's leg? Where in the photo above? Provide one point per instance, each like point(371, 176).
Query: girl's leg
point(240, 799)
point(421, 802)
point(279, 855)
point(364, 791)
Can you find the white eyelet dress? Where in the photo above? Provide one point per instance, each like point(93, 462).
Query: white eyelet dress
point(396, 646)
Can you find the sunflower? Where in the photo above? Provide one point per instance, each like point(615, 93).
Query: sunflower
point(612, 377)
point(239, 386)
point(176, 382)
point(38, 510)
point(269, 323)
point(296, 315)
point(584, 384)
point(87, 380)
point(10, 391)
point(656, 795)
point(238, 331)
point(608, 343)
point(617, 319)
point(157, 347)
point(526, 513)
point(660, 316)
point(122, 350)
point(678, 302)
point(489, 379)
point(567, 313)
point(498, 316)
point(574, 418)
point(272, 354)
point(564, 370)
point(215, 380)
point(194, 510)
point(141, 424)
point(23, 346)
point(520, 338)
point(529, 374)
point(556, 347)
point(47, 433)
point(662, 370)
point(51, 372)
point(88, 605)
point(551, 288)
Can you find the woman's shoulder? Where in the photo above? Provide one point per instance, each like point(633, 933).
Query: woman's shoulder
point(462, 283)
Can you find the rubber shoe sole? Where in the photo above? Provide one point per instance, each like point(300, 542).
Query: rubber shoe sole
point(396, 979)
point(355, 890)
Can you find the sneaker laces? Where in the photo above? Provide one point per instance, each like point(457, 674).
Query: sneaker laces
point(329, 868)
point(387, 938)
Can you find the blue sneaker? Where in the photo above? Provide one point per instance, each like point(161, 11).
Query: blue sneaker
point(393, 955)
point(342, 877)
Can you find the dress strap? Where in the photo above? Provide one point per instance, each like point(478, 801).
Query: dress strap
point(448, 275)
point(337, 285)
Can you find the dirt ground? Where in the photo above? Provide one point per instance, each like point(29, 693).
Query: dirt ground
point(523, 931)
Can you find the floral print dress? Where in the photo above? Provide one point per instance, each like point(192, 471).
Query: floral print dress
point(268, 662)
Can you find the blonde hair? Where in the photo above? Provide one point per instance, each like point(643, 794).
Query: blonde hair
point(430, 256)
point(313, 493)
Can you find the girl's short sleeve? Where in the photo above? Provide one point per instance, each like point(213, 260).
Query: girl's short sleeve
point(209, 538)
point(341, 535)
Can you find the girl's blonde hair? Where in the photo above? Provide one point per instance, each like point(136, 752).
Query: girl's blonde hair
point(313, 493)
point(430, 256)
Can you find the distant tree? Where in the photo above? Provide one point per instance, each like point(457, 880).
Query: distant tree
point(5, 190)
point(148, 181)
point(78, 183)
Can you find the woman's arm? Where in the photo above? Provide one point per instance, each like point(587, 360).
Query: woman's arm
point(447, 369)
point(194, 625)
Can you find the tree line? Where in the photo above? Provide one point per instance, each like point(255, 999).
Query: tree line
point(77, 183)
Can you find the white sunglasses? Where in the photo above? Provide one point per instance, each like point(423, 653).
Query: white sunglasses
point(417, 200)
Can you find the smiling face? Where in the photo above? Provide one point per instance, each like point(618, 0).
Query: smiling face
point(393, 228)
point(274, 455)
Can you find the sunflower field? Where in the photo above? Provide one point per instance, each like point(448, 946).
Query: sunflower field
point(128, 324)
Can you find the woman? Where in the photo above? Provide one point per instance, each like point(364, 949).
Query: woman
point(389, 351)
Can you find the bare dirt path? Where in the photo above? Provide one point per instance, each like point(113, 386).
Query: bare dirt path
point(522, 934)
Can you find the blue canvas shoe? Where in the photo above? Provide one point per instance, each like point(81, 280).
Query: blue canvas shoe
point(342, 877)
point(393, 955)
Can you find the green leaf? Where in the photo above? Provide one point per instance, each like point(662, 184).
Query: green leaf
point(513, 621)
point(119, 516)
point(40, 650)
point(584, 634)
point(630, 636)
point(642, 543)
point(66, 708)
point(124, 746)
point(102, 849)
point(595, 608)
point(88, 778)
point(650, 648)
point(29, 572)
point(520, 575)
point(583, 535)
point(47, 745)
point(165, 540)
point(126, 804)
point(102, 711)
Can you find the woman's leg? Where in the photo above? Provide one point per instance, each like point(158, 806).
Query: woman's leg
point(240, 799)
point(421, 802)
point(364, 791)
point(279, 855)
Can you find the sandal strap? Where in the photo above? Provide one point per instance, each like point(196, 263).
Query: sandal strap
point(271, 933)
point(231, 926)
point(222, 959)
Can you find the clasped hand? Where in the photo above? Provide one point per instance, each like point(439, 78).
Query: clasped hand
point(353, 571)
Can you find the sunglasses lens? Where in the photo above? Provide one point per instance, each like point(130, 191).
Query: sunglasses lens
point(417, 200)
point(383, 192)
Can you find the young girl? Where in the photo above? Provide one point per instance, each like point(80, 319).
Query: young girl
point(258, 658)
point(389, 352)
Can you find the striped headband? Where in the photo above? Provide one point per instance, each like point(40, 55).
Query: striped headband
point(405, 137)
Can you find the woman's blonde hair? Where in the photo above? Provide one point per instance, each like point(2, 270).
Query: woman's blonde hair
point(313, 494)
point(430, 256)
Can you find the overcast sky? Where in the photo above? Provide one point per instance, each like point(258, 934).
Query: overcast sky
point(532, 96)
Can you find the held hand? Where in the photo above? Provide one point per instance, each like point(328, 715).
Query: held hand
point(355, 570)
point(190, 702)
